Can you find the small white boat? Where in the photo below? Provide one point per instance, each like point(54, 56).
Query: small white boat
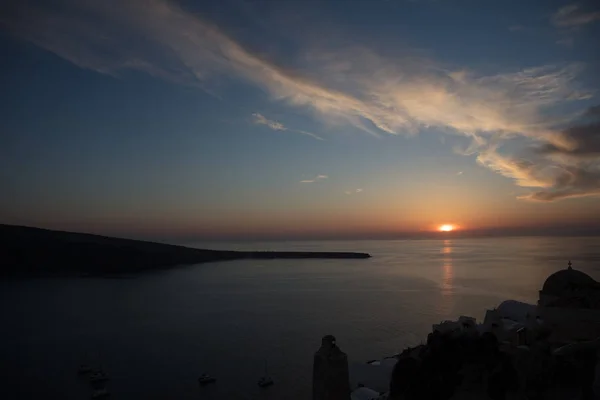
point(206, 379)
point(84, 369)
point(98, 377)
point(364, 393)
point(265, 380)
point(100, 394)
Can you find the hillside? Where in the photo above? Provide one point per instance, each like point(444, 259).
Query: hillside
point(26, 251)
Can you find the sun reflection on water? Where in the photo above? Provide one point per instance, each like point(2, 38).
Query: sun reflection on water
point(447, 270)
point(446, 305)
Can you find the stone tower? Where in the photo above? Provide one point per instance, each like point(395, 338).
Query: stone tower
point(330, 372)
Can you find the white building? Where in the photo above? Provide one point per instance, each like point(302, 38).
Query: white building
point(464, 324)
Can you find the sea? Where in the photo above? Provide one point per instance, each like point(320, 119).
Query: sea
point(156, 332)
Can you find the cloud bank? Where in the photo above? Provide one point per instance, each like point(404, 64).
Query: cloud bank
point(559, 172)
point(353, 86)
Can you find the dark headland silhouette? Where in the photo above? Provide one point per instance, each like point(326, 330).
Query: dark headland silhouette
point(33, 251)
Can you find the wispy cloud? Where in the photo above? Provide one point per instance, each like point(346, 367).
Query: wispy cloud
point(580, 95)
point(278, 126)
point(351, 86)
point(572, 16)
point(394, 97)
point(349, 192)
point(310, 134)
point(516, 28)
point(526, 173)
point(567, 42)
point(459, 173)
point(315, 179)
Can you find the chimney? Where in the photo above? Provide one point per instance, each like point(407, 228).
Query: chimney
point(330, 372)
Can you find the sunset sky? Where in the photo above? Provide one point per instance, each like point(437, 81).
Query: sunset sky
point(283, 119)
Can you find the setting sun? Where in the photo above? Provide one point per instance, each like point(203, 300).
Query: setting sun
point(446, 228)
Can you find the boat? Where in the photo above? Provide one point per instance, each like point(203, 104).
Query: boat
point(98, 377)
point(265, 380)
point(84, 369)
point(205, 379)
point(100, 394)
point(365, 393)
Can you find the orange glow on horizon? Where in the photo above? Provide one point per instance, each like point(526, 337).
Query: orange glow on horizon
point(446, 228)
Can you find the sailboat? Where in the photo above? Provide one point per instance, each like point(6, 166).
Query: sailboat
point(205, 379)
point(98, 376)
point(85, 368)
point(100, 394)
point(265, 380)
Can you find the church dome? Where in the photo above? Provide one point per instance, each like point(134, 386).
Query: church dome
point(558, 282)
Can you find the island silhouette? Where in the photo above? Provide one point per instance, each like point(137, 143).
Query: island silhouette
point(26, 251)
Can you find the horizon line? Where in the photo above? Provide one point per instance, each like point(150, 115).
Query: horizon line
point(482, 233)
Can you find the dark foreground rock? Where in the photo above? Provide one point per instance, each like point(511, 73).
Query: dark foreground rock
point(28, 251)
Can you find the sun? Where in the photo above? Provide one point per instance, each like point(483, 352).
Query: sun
point(446, 228)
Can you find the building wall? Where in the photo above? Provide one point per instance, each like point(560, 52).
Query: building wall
point(545, 299)
point(570, 324)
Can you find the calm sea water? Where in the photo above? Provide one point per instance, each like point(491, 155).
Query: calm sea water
point(155, 333)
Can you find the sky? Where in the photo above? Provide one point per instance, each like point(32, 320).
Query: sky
point(299, 119)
